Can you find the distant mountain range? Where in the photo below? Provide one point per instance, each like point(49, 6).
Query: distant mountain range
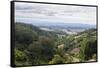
point(64, 25)
point(68, 28)
point(62, 28)
point(60, 24)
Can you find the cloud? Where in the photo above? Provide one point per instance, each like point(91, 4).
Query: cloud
point(51, 12)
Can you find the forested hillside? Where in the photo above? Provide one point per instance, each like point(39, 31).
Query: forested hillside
point(34, 46)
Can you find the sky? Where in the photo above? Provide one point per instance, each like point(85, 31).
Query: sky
point(30, 12)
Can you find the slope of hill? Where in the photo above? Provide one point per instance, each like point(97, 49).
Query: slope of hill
point(34, 46)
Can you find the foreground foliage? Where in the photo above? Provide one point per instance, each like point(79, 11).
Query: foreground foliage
point(36, 47)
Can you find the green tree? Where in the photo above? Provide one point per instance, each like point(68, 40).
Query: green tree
point(84, 43)
point(57, 60)
point(42, 51)
point(88, 48)
point(48, 47)
point(20, 57)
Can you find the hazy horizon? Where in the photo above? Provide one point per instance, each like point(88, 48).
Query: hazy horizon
point(48, 22)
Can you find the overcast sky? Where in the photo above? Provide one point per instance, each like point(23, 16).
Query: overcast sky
point(28, 12)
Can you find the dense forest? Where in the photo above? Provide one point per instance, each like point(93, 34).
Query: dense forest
point(34, 46)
